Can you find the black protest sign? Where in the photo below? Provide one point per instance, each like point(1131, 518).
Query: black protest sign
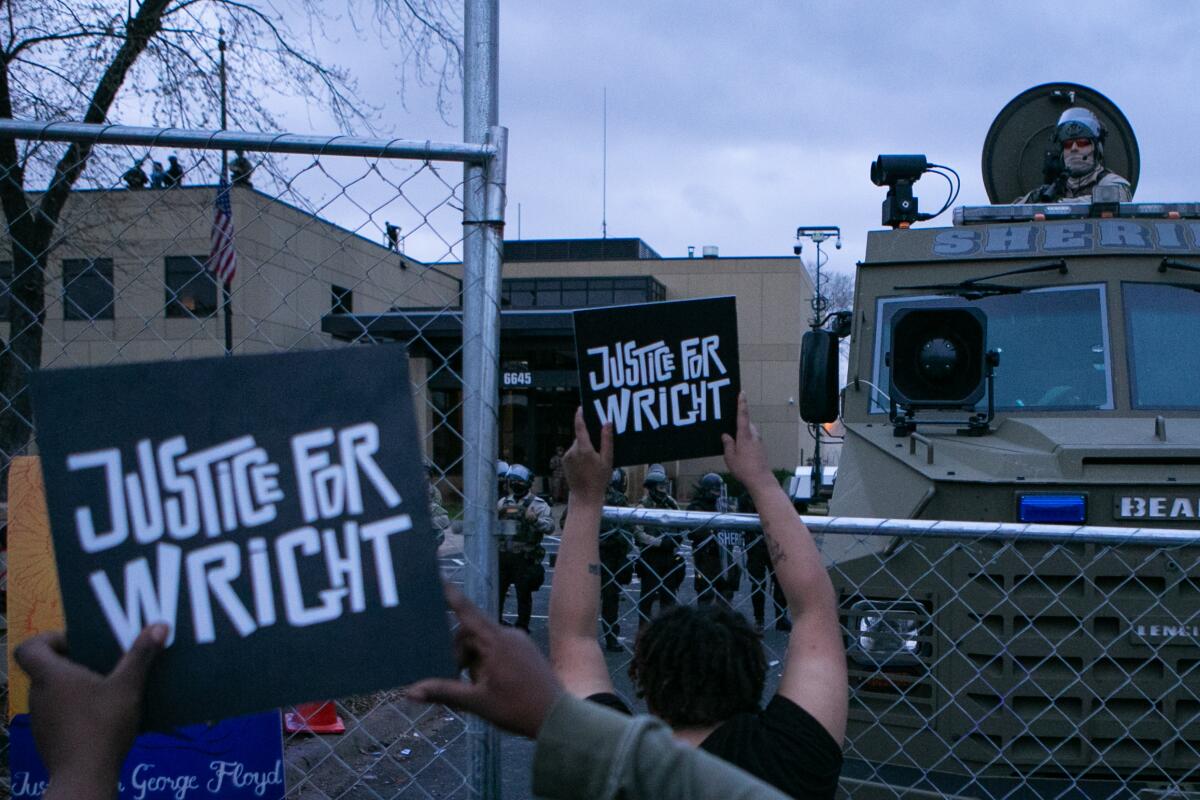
point(664, 374)
point(271, 509)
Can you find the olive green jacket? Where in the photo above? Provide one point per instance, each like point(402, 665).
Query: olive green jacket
point(585, 750)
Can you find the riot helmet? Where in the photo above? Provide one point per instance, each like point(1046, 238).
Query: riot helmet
point(1079, 123)
point(618, 482)
point(501, 470)
point(519, 480)
point(710, 485)
point(656, 480)
point(1077, 129)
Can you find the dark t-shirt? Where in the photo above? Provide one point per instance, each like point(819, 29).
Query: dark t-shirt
point(782, 745)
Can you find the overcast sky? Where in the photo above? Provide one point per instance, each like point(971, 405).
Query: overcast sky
point(731, 124)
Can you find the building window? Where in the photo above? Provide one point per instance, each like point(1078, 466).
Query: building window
point(600, 292)
point(341, 300)
point(549, 294)
point(6, 276)
point(574, 293)
point(579, 292)
point(191, 290)
point(629, 290)
point(87, 288)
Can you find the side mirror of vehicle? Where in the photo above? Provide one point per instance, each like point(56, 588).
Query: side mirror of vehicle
point(819, 376)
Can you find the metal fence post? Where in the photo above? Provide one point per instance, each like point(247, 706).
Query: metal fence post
point(483, 223)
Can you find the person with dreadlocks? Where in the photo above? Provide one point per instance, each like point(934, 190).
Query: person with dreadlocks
point(702, 669)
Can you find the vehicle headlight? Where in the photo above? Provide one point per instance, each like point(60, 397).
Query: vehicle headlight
point(886, 633)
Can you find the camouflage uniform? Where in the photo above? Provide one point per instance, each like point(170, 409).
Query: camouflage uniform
point(439, 518)
point(1078, 190)
point(615, 569)
point(521, 553)
point(558, 478)
point(660, 568)
point(718, 573)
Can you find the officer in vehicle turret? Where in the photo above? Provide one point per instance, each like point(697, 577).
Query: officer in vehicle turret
point(524, 519)
point(1080, 136)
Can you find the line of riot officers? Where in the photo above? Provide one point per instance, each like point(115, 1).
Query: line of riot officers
point(718, 556)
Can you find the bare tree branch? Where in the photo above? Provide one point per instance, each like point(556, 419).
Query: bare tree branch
point(97, 60)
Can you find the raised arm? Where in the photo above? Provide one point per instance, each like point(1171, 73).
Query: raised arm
point(814, 675)
point(575, 593)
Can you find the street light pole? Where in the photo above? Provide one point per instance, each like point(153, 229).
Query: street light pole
point(818, 235)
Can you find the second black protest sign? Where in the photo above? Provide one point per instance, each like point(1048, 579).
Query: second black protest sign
point(272, 509)
point(665, 374)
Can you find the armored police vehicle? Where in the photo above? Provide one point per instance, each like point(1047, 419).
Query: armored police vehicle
point(1030, 363)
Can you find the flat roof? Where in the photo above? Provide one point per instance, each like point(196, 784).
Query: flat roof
point(577, 250)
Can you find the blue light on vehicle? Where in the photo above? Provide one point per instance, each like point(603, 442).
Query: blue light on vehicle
point(1052, 508)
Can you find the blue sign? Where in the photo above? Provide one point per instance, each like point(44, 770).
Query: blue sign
point(236, 758)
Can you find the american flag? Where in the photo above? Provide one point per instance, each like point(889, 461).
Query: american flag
point(222, 258)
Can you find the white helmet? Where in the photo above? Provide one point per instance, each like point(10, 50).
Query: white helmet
point(1078, 122)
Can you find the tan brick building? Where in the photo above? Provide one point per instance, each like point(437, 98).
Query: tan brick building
point(126, 283)
point(125, 279)
point(544, 280)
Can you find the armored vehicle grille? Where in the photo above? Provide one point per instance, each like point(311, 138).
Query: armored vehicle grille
point(1037, 659)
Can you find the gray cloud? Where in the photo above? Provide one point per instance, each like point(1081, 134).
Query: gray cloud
point(730, 124)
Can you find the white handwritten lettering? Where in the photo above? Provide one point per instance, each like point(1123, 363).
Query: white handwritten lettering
point(239, 777)
point(172, 491)
point(680, 404)
point(327, 489)
point(23, 785)
point(177, 785)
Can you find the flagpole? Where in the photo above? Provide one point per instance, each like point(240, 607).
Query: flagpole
point(225, 300)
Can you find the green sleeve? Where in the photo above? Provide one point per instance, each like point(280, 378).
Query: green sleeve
point(585, 750)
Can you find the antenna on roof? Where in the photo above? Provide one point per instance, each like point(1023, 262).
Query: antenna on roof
point(604, 174)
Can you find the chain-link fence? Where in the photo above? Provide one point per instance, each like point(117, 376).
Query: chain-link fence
point(985, 660)
point(330, 234)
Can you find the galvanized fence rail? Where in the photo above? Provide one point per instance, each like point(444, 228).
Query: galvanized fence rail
point(330, 234)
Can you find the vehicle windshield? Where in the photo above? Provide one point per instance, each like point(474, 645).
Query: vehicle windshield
point(1163, 326)
point(1053, 345)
